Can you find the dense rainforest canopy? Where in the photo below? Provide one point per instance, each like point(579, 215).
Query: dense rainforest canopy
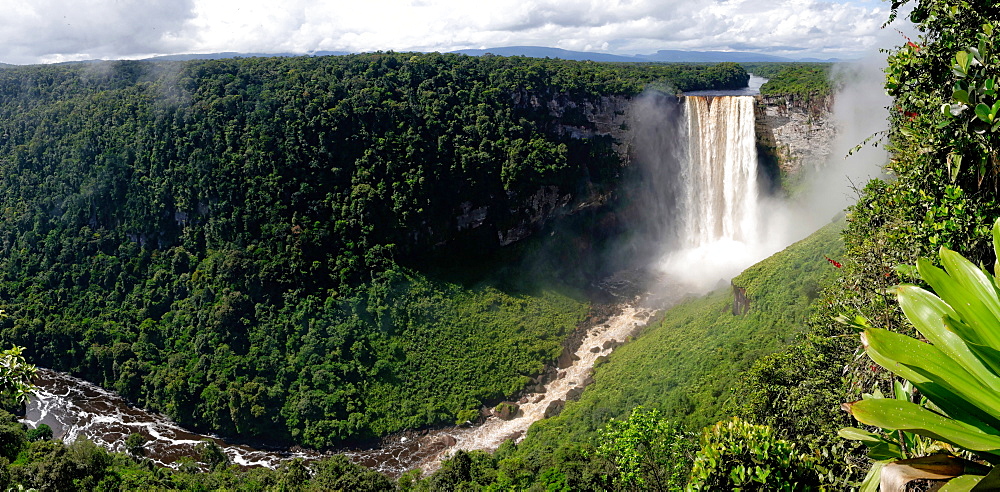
point(803, 80)
point(227, 241)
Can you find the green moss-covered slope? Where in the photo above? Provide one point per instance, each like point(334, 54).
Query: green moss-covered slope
point(687, 363)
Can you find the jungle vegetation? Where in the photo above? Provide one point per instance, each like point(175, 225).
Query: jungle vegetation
point(248, 245)
point(640, 426)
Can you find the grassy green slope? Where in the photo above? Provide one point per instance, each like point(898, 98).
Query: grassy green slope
point(686, 364)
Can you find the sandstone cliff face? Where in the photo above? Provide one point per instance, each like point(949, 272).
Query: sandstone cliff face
point(585, 118)
point(798, 133)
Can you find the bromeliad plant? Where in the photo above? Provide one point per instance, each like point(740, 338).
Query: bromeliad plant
point(957, 375)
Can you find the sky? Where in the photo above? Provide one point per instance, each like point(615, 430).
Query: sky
point(47, 31)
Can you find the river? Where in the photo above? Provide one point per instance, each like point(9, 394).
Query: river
point(73, 407)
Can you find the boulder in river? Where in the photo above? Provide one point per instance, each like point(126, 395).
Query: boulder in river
point(574, 393)
point(554, 408)
point(565, 359)
point(506, 410)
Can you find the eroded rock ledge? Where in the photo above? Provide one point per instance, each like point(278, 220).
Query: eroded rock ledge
point(797, 132)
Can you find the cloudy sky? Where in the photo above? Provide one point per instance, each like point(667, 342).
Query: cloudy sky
point(45, 31)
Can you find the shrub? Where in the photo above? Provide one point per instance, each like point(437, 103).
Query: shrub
point(738, 455)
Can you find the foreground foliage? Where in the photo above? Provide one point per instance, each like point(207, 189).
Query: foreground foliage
point(647, 450)
point(737, 455)
point(957, 374)
point(16, 376)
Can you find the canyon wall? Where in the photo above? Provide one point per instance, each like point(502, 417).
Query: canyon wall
point(792, 133)
point(795, 132)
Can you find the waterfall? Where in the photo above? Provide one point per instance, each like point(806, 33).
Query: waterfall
point(720, 175)
point(720, 228)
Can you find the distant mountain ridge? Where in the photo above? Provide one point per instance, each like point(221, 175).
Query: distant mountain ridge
point(662, 56)
point(669, 56)
point(233, 54)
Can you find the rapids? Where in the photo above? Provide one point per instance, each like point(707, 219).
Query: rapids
point(73, 408)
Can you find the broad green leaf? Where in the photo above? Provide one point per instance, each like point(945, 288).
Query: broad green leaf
point(936, 375)
point(873, 478)
point(962, 63)
point(952, 110)
point(855, 434)
point(961, 96)
point(985, 354)
point(990, 482)
point(977, 58)
point(904, 270)
point(983, 112)
point(971, 310)
point(972, 278)
point(961, 483)
point(885, 451)
point(879, 447)
point(954, 166)
point(996, 246)
point(906, 416)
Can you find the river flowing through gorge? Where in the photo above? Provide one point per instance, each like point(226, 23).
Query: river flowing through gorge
point(74, 408)
point(717, 203)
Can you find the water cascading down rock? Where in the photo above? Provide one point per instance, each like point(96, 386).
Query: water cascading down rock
point(720, 229)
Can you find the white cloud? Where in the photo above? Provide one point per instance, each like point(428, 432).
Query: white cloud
point(56, 30)
point(47, 30)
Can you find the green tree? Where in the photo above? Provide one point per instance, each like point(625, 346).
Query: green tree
point(649, 452)
point(135, 445)
point(40, 433)
point(211, 454)
point(737, 455)
point(15, 375)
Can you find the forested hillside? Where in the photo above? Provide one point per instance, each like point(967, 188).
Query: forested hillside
point(872, 392)
point(800, 80)
point(244, 244)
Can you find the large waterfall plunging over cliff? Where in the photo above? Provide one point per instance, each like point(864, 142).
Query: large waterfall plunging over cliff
point(720, 196)
point(720, 230)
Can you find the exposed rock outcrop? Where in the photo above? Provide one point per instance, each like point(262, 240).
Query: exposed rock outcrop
point(741, 303)
point(797, 132)
point(554, 408)
point(506, 410)
point(603, 119)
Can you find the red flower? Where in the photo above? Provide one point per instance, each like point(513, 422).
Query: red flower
point(833, 262)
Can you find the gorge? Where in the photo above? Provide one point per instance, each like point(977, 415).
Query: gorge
point(717, 201)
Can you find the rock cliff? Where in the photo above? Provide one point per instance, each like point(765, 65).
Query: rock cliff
point(602, 120)
point(796, 132)
point(792, 133)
